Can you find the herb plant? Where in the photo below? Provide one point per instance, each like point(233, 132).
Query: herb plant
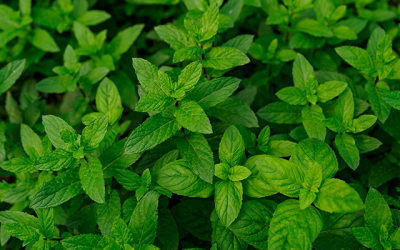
point(199, 124)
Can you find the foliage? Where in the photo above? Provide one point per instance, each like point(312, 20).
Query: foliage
point(199, 124)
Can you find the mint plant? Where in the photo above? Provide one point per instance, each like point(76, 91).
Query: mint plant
point(132, 124)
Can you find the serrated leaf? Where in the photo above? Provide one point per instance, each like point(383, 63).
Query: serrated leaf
point(377, 212)
point(306, 198)
point(143, 223)
point(347, 148)
point(195, 150)
point(284, 176)
point(231, 148)
point(293, 96)
point(313, 121)
point(19, 165)
point(358, 58)
point(375, 92)
point(366, 237)
point(209, 23)
point(192, 117)
point(329, 90)
point(91, 175)
point(121, 231)
point(108, 212)
point(221, 58)
point(392, 98)
point(281, 113)
point(10, 73)
point(46, 222)
point(53, 126)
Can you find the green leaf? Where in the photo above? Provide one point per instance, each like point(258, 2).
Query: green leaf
point(57, 191)
point(194, 216)
point(223, 236)
point(358, 58)
point(121, 231)
point(187, 53)
point(251, 225)
point(94, 133)
point(172, 35)
point(345, 106)
point(8, 217)
point(209, 23)
point(195, 150)
point(31, 142)
point(377, 212)
point(306, 198)
point(228, 200)
point(347, 148)
point(55, 161)
point(53, 126)
point(392, 98)
point(221, 58)
point(143, 223)
point(209, 93)
point(93, 17)
point(46, 222)
point(395, 238)
point(83, 242)
point(312, 27)
point(302, 70)
point(362, 123)
point(374, 40)
point(22, 232)
point(231, 148)
point(255, 185)
point(280, 148)
point(365, 236)
point(344, 32)
point(91, 175)
point(241, 42)
point(234, 111)
point(94, 76)
point(107, 97)
point(313, 121)
point(189, 76)
point(281, 113)
point(375, 92)
point(41, 39)
point(108, 212)
point(222, 171)
point(124, 40)
point(192, 117)
point(293, 96)
point(366, 143)
point(147, 75)
point(150, 133)
point(238, 173)
point(178, 178)
point(329, 90)
point(313, 178)
point(308, 152)
point(19, 165)
point(10, 73)
point(336, 196)
point(284, 176)
point(384, 50)
point(56, 84)
point(154, 102)
point(288, 215)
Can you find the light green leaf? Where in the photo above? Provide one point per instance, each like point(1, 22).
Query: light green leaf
point(281, 148)
point(172, 35)
point(209, 93)
point(347, 148)
point(150, 133)
point(143, 223)
point(19, 165)
point(302, 70)
point(187, 53)
point(31, 142)
point(288, 215)
point(121, 231)
point(55, 160)
point(10, 73)
point(313, 120)
point(293, 96)
point(221, 58)
point(154, 102)
point(189, 76)
point(284, 176)
point(375, 93)
point(239, 173)
point(384, 50)
point(222, 171)
point(358, 58)
point(46, 222)
point(209, 23)
point(306, 198)
point(255, 185)
point(22, 232)
point(83, 242)
point(91, 175)
point(124, 40)
point(93, 17)
point(313, 178)
point(241, 42)
point(53, 126)
point(94, 76)
point(41, 39)
point(312, 27)
point(365, 236)
point(336, 196)
point(195, 150)
point(231, 148)
point(363, 122)
point(147, 75)
point(107, 97)
point(329, 90)
point(392, 98)
point(228, 200)
point(178, 178)
point(94, 133)
point(57, 191)
point(192, 117)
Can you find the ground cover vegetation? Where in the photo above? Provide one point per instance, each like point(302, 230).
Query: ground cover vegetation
point(199, 124)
